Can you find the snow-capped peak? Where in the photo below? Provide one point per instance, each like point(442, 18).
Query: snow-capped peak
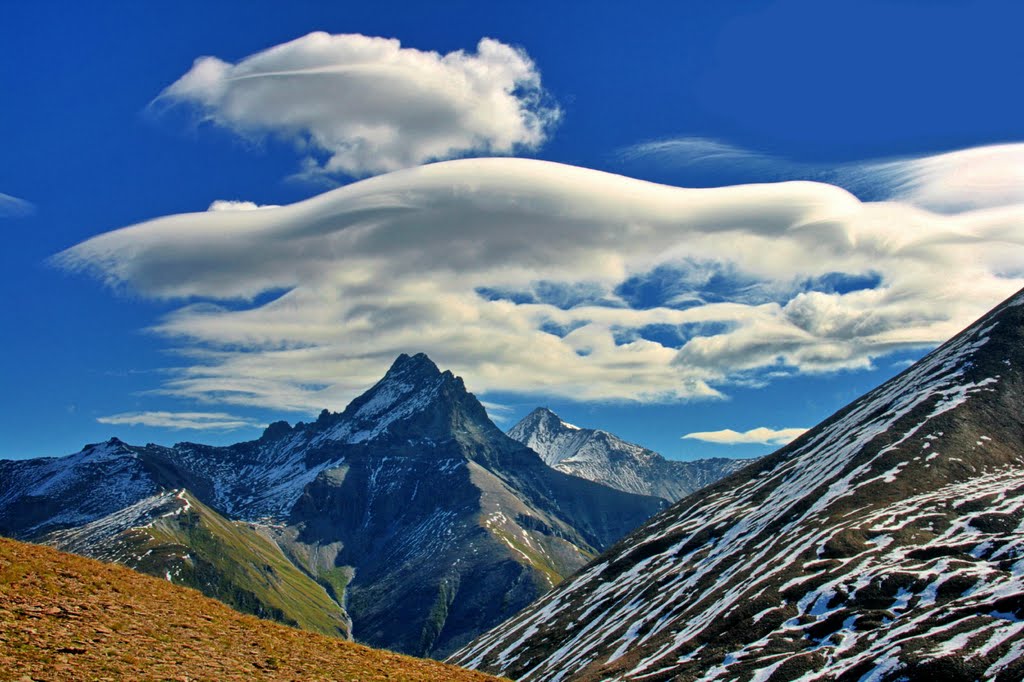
point(413, 384)
point(605, 458)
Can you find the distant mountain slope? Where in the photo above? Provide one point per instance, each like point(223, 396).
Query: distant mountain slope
point(173, 535)
point(411, 508)
point(37, 495)
point(447, 525)
point(64, 617)
point(885, 544)
point(605, 458)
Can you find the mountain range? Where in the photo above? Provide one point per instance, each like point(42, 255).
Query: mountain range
point(408, 521)
point(599, 456)
point(884, 544)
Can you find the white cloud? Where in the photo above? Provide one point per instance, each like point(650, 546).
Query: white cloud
point(970, 179)
point(982, 177)
point(361, 105)
point(13, 207)
point(535, 277)
point(759, 436)
point(499, 414)
point(219, 421)
point(235, 205)
point(698, 151)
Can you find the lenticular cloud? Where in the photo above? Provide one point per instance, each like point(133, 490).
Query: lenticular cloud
point(532, 276)
point(362, 105)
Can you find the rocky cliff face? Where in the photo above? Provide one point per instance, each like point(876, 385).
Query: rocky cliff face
point(884, 544)
point(603, 457)
point(410, 508)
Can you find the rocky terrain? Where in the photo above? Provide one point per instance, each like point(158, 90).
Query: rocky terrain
point(410, 509)
point(885, 544)
point(599, 456)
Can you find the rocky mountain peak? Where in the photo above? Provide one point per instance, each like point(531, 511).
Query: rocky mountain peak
point(276, 430)
point(411, 508)
point(111, 449)
point(414, 397)
point(411, 385)
point(544, 431)
point(410, 367)
point(539, 419)
point(605, 458)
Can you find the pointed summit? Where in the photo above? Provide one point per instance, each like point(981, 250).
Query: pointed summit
point(410, 508)
point(603, 457)
point(415, 393)
point(544, 432)
point(442, 515)
point(540, 420)
point(408, 366)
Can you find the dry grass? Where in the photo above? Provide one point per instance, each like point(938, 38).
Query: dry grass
point(64, 617)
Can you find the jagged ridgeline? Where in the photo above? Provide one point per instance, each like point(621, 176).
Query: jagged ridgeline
point(409, 521)
point(603, 457)
point(885, 544)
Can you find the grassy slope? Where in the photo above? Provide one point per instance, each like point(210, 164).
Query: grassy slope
point(231, 562)
point(65, 617)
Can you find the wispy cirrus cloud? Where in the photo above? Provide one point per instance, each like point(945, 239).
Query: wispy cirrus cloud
point(204, 421)
point(360, 105)
point(705, 151)
point(534, 277)
point(13, 207)
point(500, 414)
point(990, 176)
point(954, 182)
point(757, 436)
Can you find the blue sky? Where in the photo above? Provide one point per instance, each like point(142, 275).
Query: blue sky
point(652, 312)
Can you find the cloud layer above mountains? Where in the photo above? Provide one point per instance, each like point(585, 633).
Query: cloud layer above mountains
point(359, 105)
point(953, 182)
point(536, 277)
point(215, 421)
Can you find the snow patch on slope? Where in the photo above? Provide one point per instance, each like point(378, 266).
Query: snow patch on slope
point(760, 529)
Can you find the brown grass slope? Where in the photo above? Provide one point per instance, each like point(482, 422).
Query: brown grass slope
point(65, 617)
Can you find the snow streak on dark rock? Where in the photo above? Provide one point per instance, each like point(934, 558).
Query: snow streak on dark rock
point(885, 544)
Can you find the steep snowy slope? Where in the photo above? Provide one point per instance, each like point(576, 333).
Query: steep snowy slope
point(37, 495)
point(410, 507)
point(885, 544)
point(605, 458)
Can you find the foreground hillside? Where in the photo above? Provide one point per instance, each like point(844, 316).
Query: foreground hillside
point(64, 617)
point(885, 544)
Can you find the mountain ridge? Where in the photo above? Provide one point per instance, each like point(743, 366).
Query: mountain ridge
point(410, 507)
point(603, 457)
point(883, 544)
